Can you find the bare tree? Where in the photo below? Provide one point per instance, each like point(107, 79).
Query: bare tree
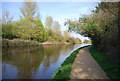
point(56, 26)
point(49, 21)
point(6, 18)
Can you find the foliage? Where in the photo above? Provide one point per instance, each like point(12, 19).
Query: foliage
point(30, 27)
point(73, 40)
point(72, 25)
point(101, 27)
point(6, 25)
point(7, 31)
point(107, 63)
point(54, 33)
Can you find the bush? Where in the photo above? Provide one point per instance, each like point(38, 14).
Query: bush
point(7, 31)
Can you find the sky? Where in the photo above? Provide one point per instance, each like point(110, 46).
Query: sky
point(58, 10)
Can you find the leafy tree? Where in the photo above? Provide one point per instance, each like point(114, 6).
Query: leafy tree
point(39, 32)
point(29, 28)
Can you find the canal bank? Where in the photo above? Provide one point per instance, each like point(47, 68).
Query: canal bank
point(27, 43)
point(64, 71)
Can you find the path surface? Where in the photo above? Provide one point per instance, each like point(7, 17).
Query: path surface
point(85, 67)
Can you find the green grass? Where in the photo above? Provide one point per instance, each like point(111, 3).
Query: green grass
point(108, 65)
point(63, 73)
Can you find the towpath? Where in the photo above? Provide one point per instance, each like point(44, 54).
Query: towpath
point(85, 67)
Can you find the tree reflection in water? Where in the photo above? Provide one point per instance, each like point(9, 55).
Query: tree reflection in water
point(34, 62)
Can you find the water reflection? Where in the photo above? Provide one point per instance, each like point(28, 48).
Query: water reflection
point(34, 62)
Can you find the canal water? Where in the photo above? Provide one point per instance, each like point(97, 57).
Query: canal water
point(39, 62)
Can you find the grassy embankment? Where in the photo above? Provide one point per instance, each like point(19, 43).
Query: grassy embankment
point(108, 65)
point(18, 43)
point(63, 73)
point(21, 42)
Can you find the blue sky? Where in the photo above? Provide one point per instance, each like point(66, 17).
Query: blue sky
point(58, 10)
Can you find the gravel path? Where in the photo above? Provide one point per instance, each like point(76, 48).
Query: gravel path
point(85, 67)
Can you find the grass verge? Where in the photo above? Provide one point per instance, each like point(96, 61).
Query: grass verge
point(108, 65)
point(63, 73)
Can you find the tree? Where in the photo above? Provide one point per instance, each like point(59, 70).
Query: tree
point(30, 27)
point(49, 22)
point(56, 26)
point(101, 27)
point(29, 9)
point(39, 32)
point(6, 18)
point(53, 29)
point(7, 25)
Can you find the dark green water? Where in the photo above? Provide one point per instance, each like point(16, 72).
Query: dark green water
point(34, 62)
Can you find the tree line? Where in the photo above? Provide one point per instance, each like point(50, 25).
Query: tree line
point(102, 27)
point(30, 27)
